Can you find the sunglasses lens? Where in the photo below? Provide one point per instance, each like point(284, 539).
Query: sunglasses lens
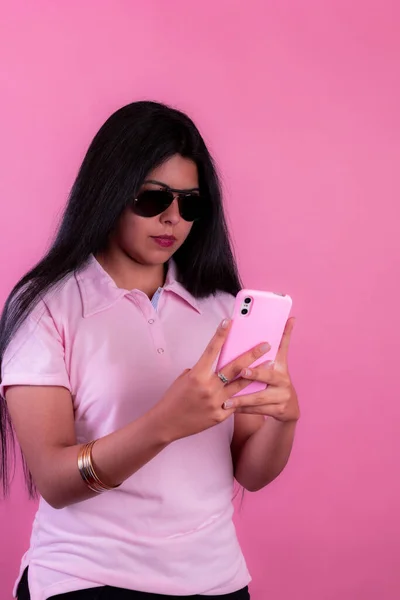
point(150, 203)
point(192, 207)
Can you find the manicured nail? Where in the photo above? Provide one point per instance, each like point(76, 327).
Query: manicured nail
point(265, 347)
point(225, 323)
point(228, 404)
point(247, 372)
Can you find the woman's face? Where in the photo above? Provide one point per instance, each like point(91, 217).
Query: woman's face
point(139, 237)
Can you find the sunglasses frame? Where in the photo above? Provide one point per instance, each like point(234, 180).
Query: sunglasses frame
point(176, 193)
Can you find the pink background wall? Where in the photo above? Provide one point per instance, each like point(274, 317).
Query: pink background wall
point(300, 103)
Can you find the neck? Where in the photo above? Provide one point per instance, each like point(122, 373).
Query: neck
point(131, 275)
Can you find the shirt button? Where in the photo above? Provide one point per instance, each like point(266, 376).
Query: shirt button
point(150, 321)
point(160, 350)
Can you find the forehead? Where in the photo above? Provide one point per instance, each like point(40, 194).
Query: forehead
point(176, 172)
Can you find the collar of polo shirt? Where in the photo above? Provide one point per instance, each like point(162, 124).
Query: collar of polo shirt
point(99, 291)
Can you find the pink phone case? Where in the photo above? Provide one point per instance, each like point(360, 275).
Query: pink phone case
point(264, 322)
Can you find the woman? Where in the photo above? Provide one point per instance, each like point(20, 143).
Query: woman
point(129, 436)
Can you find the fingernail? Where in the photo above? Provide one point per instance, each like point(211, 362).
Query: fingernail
point(225, 323)
point(247, 372)
point(228, 404)
point(265, 347)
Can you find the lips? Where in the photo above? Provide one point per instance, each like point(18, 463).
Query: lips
point(165, 241)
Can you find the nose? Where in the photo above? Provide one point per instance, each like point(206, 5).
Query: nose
point(171, 216)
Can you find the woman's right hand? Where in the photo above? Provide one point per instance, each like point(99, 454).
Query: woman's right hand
point(195, 401)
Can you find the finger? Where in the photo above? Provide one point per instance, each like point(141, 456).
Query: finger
point(283, 351)
point(231, 389)
point(256, 399)
point(226, 413)
point(214, 347)
point(267, 410)
point(234, 368)
point(264, 373)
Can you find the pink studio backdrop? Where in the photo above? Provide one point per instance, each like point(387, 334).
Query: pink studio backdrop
point(299, 102)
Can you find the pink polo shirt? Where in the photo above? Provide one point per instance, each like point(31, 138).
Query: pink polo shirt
point(168, 529)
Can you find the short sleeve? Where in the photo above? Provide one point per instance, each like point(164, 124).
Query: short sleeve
point(35, 355)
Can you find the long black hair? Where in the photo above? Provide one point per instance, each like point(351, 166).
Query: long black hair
point(133, 141)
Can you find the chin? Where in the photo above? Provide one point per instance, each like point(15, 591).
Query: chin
point(153, 256)
point(163, 258)
point(153, 259)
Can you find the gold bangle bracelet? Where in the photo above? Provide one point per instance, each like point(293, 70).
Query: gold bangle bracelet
point(87, 470)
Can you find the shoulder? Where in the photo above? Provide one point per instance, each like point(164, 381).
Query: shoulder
point(47, 317)
point(35, 353)
point(60, 299)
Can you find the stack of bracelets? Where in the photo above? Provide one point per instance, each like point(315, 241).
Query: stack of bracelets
point(87, 471)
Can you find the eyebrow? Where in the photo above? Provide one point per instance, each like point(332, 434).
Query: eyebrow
point(164, 185)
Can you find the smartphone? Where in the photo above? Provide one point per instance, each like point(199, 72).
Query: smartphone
point(257, 317)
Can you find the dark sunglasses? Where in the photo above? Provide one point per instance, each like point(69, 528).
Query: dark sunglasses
point(149, 203)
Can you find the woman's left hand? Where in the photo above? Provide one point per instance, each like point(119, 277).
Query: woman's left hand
point(279, 399)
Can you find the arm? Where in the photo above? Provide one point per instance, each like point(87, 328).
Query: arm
point(35, 382)
point(44, 423)
point(43, 419)
point(261, 448)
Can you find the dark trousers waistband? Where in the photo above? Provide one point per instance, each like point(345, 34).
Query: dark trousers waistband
point(113, 593)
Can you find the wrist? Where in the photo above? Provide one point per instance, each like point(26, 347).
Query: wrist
point(160, 427)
